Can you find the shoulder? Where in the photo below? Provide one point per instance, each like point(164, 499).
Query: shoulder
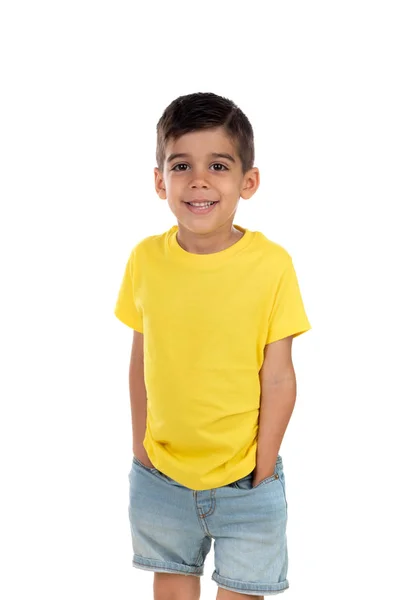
point(148, 246)
point(273, 252)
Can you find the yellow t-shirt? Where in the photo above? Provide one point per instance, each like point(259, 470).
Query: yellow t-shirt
point(206, 319)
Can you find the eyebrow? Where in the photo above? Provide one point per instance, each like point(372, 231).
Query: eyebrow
point(213, 154)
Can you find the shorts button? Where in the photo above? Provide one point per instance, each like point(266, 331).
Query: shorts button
point(276, 476)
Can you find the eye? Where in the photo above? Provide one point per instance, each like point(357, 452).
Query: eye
point(185, 165)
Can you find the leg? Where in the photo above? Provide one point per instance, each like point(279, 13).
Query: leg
point(228, 595)
point(250, 544)
point(171, 586)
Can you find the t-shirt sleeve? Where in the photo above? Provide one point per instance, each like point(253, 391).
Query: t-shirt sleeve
point(127, 309)
point(288, 316)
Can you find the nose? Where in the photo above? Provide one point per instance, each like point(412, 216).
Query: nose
point(199, 185)
point(198, 179)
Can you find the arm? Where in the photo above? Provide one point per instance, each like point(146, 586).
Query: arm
point(278, 395)
point(138, 398)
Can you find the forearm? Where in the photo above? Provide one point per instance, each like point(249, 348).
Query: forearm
point(276, 407)
point(138, 399)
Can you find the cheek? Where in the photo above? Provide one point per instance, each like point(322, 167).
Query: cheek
point(228, 187)
point(175, 184)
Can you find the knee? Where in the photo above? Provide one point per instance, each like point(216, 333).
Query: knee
point(173, 586)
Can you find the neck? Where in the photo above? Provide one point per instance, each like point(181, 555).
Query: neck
point(208, 243)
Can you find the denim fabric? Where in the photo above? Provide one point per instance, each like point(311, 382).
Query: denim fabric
point(172, 528)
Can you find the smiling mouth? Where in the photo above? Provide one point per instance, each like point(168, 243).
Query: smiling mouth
point(201, 208)
point(202, 204)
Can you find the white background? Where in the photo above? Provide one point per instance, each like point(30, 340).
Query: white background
point(331, 89)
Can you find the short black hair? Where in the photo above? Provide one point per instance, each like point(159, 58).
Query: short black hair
point(205, 110)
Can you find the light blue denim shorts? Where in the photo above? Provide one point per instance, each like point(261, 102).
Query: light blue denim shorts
point(172, 528)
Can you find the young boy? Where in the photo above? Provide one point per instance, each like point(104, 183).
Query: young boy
point(214, 308)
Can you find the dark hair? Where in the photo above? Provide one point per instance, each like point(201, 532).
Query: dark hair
point(205, 110)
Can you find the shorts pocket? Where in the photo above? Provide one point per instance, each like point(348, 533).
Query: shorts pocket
point(282, 480)
point(246, 483)
point(140, 464)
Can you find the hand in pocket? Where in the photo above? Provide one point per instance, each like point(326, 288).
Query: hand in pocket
point(142, 456)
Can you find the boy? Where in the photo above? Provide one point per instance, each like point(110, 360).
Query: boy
point(214, 308)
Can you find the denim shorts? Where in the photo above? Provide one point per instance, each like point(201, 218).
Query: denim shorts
point(172, 528)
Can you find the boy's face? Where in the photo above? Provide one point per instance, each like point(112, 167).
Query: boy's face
point(199, 175)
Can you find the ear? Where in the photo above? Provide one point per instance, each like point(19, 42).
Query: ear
point(251, 180)
point(159, 184)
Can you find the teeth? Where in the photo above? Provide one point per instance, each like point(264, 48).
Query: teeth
point(201, 203)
